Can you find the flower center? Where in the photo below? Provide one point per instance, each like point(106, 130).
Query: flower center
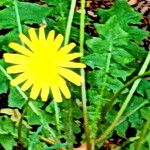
point(44, 66)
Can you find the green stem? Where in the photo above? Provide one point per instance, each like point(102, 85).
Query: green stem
point(43, 122)
point(25, 105)
point(109, 105)
point(83, 87)
point(70, 133)
point(57, 116)
point(85, 114)
point(108, 59)
point(20, 31)
point(144, 132)
point(69, 23)
point(10, 78)
point(127, 100)
point(132, 112)
point(82, 25)
point(21, 120)
point(66, 41)
point(17, 16)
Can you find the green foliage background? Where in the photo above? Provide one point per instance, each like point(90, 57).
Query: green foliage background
point(113, 57)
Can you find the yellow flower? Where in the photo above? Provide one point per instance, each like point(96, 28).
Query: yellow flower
point(43, 65)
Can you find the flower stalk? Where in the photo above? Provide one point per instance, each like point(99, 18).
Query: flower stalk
point(17, 16)
point(56, 108)
point(66, 41)
point(21, 121)
point(83, 87)
point(10, 78)
point(69, 22)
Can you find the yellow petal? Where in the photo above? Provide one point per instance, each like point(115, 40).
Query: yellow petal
point(21, 49)
point(64, 89)
point(27, 85)
point(35, 90)
point(73, 56)
point(42, 34)
point(45, 92)
point(27, 41)
point(16, 58)
point(56, 93)
point(33, 35)
point(19, 79)
point(51, 36)
point(44, 68)
point(58, 41)
point(73, 65)
point(16, 69)
point(71, 76)
point(67, 48)
point(55, 80)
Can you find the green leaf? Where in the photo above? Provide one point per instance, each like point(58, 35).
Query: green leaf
point(77, 113)
point(145, 112)
point(112, 32)
point(15, 99)
point(144, 85)
point(121, 56)
point(147, 91)
point(113, 57)
point(95, 78)
point(125, 15)
point(116, 37)
point(135, 119)
point(136, 51)
point(39, 145)
point(114, 84)
point(50, 107)
point(136, 33)
point(35, 138)
point(148, 140)
point(12, 35)
point(8, 20)
point(7, 126)
point(29, 14)
point(76, 128)
point(97, 45)
point(6, 2)
point(36, 116)
point(93, 97)
point(3, 79)
point(119, 71)
point(7, 141)
point(113, 39)
point(94, 61)
point(122, 128)
point(59, 7)
point(33, 13)
point(32, 118)
point(121, 8)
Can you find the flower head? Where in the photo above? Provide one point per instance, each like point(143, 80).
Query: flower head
point(43, 65)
